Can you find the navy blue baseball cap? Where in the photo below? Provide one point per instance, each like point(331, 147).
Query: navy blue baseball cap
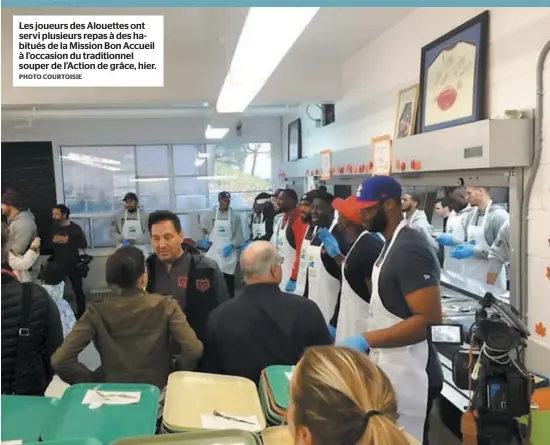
point(224, 195)
point(375, 190)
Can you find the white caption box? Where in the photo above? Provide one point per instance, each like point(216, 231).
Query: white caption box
point(88, 51)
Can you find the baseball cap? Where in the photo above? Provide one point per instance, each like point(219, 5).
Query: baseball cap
point(12, 198)
point(224, 195)
point(130, 196)
point(346, 208)
point(376, 189)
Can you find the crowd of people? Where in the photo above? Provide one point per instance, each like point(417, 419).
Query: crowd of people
point(360, 273)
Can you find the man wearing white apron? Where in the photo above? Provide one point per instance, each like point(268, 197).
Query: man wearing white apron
point(405, 300)
point(305, 209)
point(482, 227)
point(130, 225)
point(455, 232)
point(353, 308)
point(261, 221)
point(225, 235)
point(288, 236)
point(324, 274)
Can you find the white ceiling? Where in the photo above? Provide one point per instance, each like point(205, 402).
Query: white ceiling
point(199, 44)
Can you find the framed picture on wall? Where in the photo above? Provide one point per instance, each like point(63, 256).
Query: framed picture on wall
point(453, 72)
point(295, 140)
point(405, 113)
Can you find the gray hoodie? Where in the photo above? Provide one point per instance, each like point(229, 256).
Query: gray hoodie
point(22, 232)
point(499, 254)
point(117, 224)
point(496, 217)
point(419, 221)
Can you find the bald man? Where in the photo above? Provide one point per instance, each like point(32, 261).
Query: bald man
point(263, 326)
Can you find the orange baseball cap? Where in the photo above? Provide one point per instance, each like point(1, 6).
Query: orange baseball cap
point(347, 209)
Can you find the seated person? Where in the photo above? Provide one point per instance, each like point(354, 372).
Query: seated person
point(339, 397)
point(264, 326)
point(52, 276)
point(131, 331)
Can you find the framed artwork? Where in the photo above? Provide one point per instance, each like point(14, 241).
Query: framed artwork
point(381, 155)
point(326, 165)
point(295, 140)
point(453, 75)
point(405, 114)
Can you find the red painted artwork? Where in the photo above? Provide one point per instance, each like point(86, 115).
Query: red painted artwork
point(447, 98)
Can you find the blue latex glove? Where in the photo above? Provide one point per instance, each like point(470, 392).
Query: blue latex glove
point(226, 251)
point(125, 243)
point(445, 240)
point(332, 331)
point(203, 244)
point(245, 245)
point(462, 251)
point(290, 286)
point(329, 243)
point(356, 342)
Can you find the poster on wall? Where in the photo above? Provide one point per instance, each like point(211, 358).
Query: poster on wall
point(405, 114)
point(381, 156)
point(453, 76)
point(326, 165)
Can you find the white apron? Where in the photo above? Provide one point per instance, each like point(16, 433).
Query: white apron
point(288, 254)
point(354, 311)
point(405, 366)
point(477, 268)
point(131, 230)
point(323, 288)
point(258, 229)
point(220, 237)
point(455, 229)
point(302, 270)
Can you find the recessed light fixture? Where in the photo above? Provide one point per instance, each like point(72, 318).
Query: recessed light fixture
point(266, 37)
point(215, 133)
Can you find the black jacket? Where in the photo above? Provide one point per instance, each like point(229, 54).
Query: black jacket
point(268, 215)
point(259, 328)
point(26, 368)
point(206, 288)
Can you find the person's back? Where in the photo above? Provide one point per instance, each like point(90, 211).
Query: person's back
point(31, 332)
point(132, 332)
point(263, 326)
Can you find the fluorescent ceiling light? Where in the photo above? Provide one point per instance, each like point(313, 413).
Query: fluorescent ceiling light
point(267, 35)
point(215, 133)
point(199, 162)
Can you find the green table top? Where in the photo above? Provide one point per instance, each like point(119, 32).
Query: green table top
point(23, 417)
point(108, 422)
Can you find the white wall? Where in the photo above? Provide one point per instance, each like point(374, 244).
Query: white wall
point(373, 77)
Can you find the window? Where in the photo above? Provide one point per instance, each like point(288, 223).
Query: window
point(184, 178)
point(244, 170)
point(96, 178)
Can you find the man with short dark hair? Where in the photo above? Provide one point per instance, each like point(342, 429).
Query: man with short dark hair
point(129, 225)
point(263, 326)
point(67, 240)
point(405, 301)
point(180, 271)
point(290, 232)
point(416, 218)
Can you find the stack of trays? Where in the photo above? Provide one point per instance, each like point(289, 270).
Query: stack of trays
point(199, 401)
point(274, 393)
point(24, 417)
